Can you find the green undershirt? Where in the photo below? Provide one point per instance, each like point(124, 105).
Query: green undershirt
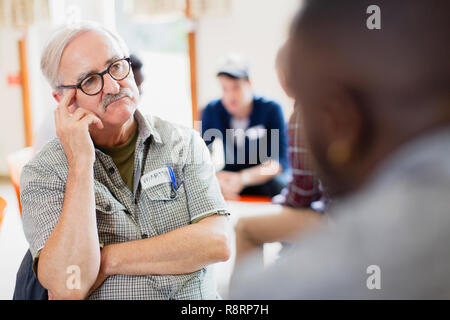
point(123, 157)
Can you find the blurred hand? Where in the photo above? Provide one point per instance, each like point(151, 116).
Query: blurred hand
point(72, 129)
point(230, 184)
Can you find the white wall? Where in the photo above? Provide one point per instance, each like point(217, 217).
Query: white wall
point(255, 29)
point(12, 135)
point(166, 87)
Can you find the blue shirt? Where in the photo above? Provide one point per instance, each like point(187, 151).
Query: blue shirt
point(260, 145)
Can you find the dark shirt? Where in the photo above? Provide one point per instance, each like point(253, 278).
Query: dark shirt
point(27, 285)
point(265, 119)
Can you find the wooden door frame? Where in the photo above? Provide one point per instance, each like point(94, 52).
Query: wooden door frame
point(25, 84)
point(24, 74)
point(192, 52)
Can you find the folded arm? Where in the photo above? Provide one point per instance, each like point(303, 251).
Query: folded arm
point(180, 251)
point(73, 241)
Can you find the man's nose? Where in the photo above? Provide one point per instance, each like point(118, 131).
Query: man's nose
point(110, 86)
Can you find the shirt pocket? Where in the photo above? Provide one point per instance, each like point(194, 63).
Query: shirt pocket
point(113, 223)
point(168, 206)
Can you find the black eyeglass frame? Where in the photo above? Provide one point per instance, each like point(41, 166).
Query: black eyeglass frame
point(101, 74)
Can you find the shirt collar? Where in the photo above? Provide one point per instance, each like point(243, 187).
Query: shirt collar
point(146, 127)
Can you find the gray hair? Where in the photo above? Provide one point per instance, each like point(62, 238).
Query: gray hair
point(51, 56)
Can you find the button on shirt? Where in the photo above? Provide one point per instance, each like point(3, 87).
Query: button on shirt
point(127, 215)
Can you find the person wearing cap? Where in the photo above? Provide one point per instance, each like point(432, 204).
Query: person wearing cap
point(252, 129)
point(304, 201)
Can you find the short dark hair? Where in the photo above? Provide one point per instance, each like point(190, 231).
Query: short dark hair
point(413, 36)
point(230, 76)
point(136, 63)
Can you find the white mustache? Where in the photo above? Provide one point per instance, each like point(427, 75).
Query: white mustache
point(110, 98)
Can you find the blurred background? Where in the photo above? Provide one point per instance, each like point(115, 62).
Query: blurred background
point(180, 43)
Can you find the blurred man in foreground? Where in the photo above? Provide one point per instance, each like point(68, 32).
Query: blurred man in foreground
point(376, 105)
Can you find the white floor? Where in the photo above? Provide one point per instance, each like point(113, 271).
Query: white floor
point(13, 244)
point(224, 270)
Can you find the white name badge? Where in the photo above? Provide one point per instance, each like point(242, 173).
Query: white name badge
point(155, 177)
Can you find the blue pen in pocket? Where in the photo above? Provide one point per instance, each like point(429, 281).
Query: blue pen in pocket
point(172, 177)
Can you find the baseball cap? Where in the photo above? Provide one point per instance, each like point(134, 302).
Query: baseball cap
point(234, 66)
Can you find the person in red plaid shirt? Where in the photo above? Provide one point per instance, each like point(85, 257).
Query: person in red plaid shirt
point(304, 196)
point(304, 188)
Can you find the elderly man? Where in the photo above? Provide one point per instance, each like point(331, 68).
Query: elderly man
point(119, 206)
point(47, 131)
point(376, 109)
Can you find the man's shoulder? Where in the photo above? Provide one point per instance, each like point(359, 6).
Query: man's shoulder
point(268, 112)
point(214, 106)
point(51, 155)
point(50, 162)
point(263, 102)
point(168, 131)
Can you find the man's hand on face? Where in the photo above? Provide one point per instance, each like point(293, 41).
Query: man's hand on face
point(72, 129)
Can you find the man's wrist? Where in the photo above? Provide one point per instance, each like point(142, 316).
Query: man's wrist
point(106, 264)
point(81, 166)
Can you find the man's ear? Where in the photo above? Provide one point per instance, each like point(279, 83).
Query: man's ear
point(57, 95)
point(344, 123)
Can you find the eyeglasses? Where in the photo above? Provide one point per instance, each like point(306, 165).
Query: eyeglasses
point(93, 83)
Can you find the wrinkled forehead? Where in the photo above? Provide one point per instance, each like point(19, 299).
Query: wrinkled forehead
point(88, 52)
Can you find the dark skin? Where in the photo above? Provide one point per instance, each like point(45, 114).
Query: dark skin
point(139, 78)
point(361, 99)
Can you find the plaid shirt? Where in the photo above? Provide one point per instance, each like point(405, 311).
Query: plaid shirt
point(304, 186)
point(123, 215)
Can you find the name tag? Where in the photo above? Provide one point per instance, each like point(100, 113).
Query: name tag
point(155, 178)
